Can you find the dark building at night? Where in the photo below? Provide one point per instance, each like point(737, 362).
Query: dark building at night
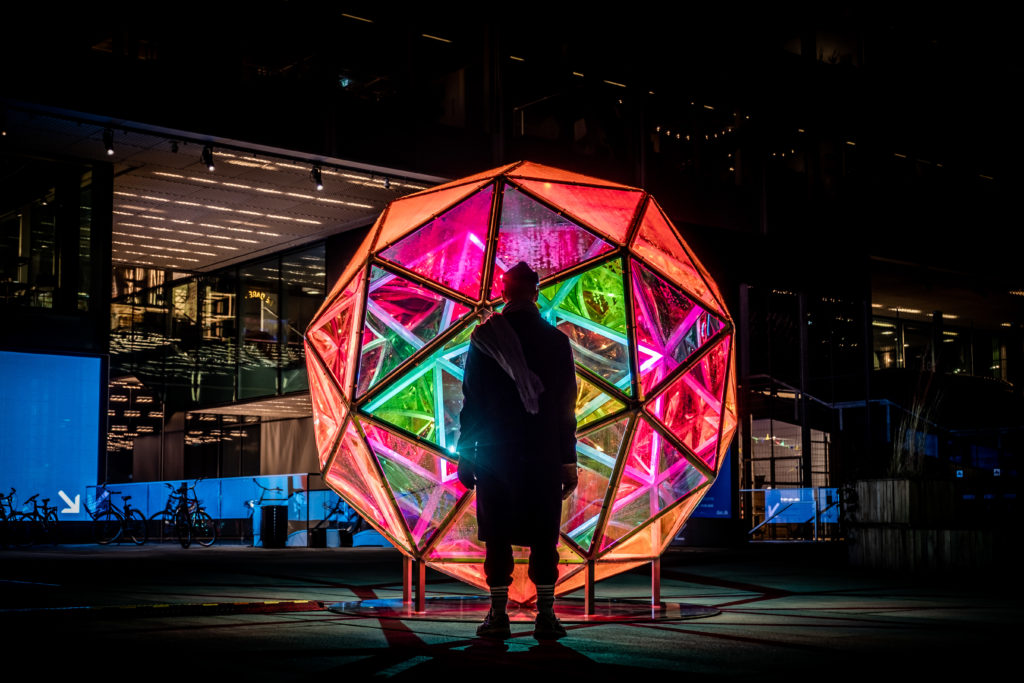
point(846, 177)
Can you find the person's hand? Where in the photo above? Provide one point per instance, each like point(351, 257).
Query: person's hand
point(570, 478)
point(467, 473)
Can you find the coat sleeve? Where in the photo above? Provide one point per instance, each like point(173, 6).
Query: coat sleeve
point(470, 418)
point(566, 404)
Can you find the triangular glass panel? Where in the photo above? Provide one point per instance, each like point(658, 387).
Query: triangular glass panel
point(656, 243)
point(426, 400)
point(528, 169)
point(354, 477)
point(449, 250)
point(595, 457)
point(425, 485)
point(691, 406)
point(332, 335)
point(592, 403)
point(329, 408)
point(602, 570)
point(356, 264)
point(655, 475)
point(655, 537)
point(482, 175)
point(548, 242)
point(609, 211)
point(590, 309)
point(405, 214)
point(401, 317)
point(459, 541)
point(729, 420)
point(670, 327)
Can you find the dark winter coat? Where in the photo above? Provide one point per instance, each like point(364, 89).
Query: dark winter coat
point(518, 457)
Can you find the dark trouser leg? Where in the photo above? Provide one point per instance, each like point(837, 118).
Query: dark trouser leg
point(498, 563)
point(543, 564)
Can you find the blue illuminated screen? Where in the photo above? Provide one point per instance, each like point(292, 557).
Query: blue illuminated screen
point(49, 428)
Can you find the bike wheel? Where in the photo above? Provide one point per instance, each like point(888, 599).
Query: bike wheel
point(107, 526)
point(135, 527)
point(161, 525)
point(204, 529)
point(183, 527)
point(51, 527)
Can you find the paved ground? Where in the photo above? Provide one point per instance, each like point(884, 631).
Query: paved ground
point(787, 611)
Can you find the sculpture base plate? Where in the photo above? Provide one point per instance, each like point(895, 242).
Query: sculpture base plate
point(473, 608)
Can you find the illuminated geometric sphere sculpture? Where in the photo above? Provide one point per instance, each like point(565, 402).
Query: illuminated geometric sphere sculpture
point(652, 340)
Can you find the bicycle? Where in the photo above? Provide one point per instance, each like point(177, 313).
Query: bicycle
point(111, 523)
point(35, 526)
point(191, 521)
point(7, 515)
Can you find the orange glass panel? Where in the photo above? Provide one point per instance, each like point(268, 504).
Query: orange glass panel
point(653, 539)
point(329, 408)
point(528, 169)
point(469, 572)
point(691, 406)
point(357, 262)
point(425, 484)
point(405, 214)
point(596, 453)
point(483, 175)
point(608, 211)
point(601, 571)
point(729, 420)
point(656, 242)
point(354, 477)
point(449, 250)
point(332, 335)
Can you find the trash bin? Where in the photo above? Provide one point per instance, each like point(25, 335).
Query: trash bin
point(274, 525)
point(317, 538)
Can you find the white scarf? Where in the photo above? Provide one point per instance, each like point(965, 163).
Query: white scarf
point(499, 341)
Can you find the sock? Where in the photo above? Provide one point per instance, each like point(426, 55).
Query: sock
point(499, 599)
point(546, 599)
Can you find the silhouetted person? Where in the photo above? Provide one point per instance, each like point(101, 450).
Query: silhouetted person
point(518, 445)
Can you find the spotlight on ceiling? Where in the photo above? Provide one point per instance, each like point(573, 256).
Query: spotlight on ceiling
point(387, 183)
point(318, 177)
point(207, 158)
point(108, 141)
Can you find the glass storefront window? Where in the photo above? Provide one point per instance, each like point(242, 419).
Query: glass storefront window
point(260, 329)
point(303, 281)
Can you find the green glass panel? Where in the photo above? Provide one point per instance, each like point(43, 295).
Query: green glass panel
point(592, 403)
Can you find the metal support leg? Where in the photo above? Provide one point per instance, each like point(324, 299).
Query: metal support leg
point(406, 579)
point(588, 590)
point(656, 582)
point(421, 585)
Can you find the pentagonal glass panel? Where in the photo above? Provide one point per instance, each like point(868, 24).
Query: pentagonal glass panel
point(449, 250)
point(401, 317)
point(654, 476)
point(595, 457)
point(425, 485)
point(609, 211)
point(425, 401)
point(548, 242)
point(592, 402)
point(691, 406)
point(590, 308)
point(656, 243)
point(353, 475)
point(670, 327)
point(333, 332)
point(329, 408)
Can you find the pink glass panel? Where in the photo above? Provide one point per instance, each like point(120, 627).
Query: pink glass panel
point(403, 215)
point(329, 408)
point(401, 317)
point(353, 475)
point(449, 250)
point(459, 540)
point(425, 485)
point(606, 210)
point(691, 405)
point(670, 327)
point(595, 456)
point(332, 335)
point(548, 242)
point(528, 169)
point(655, 475)
point(656, 243)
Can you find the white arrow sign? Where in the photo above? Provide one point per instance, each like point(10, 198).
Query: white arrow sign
point(73, 507)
